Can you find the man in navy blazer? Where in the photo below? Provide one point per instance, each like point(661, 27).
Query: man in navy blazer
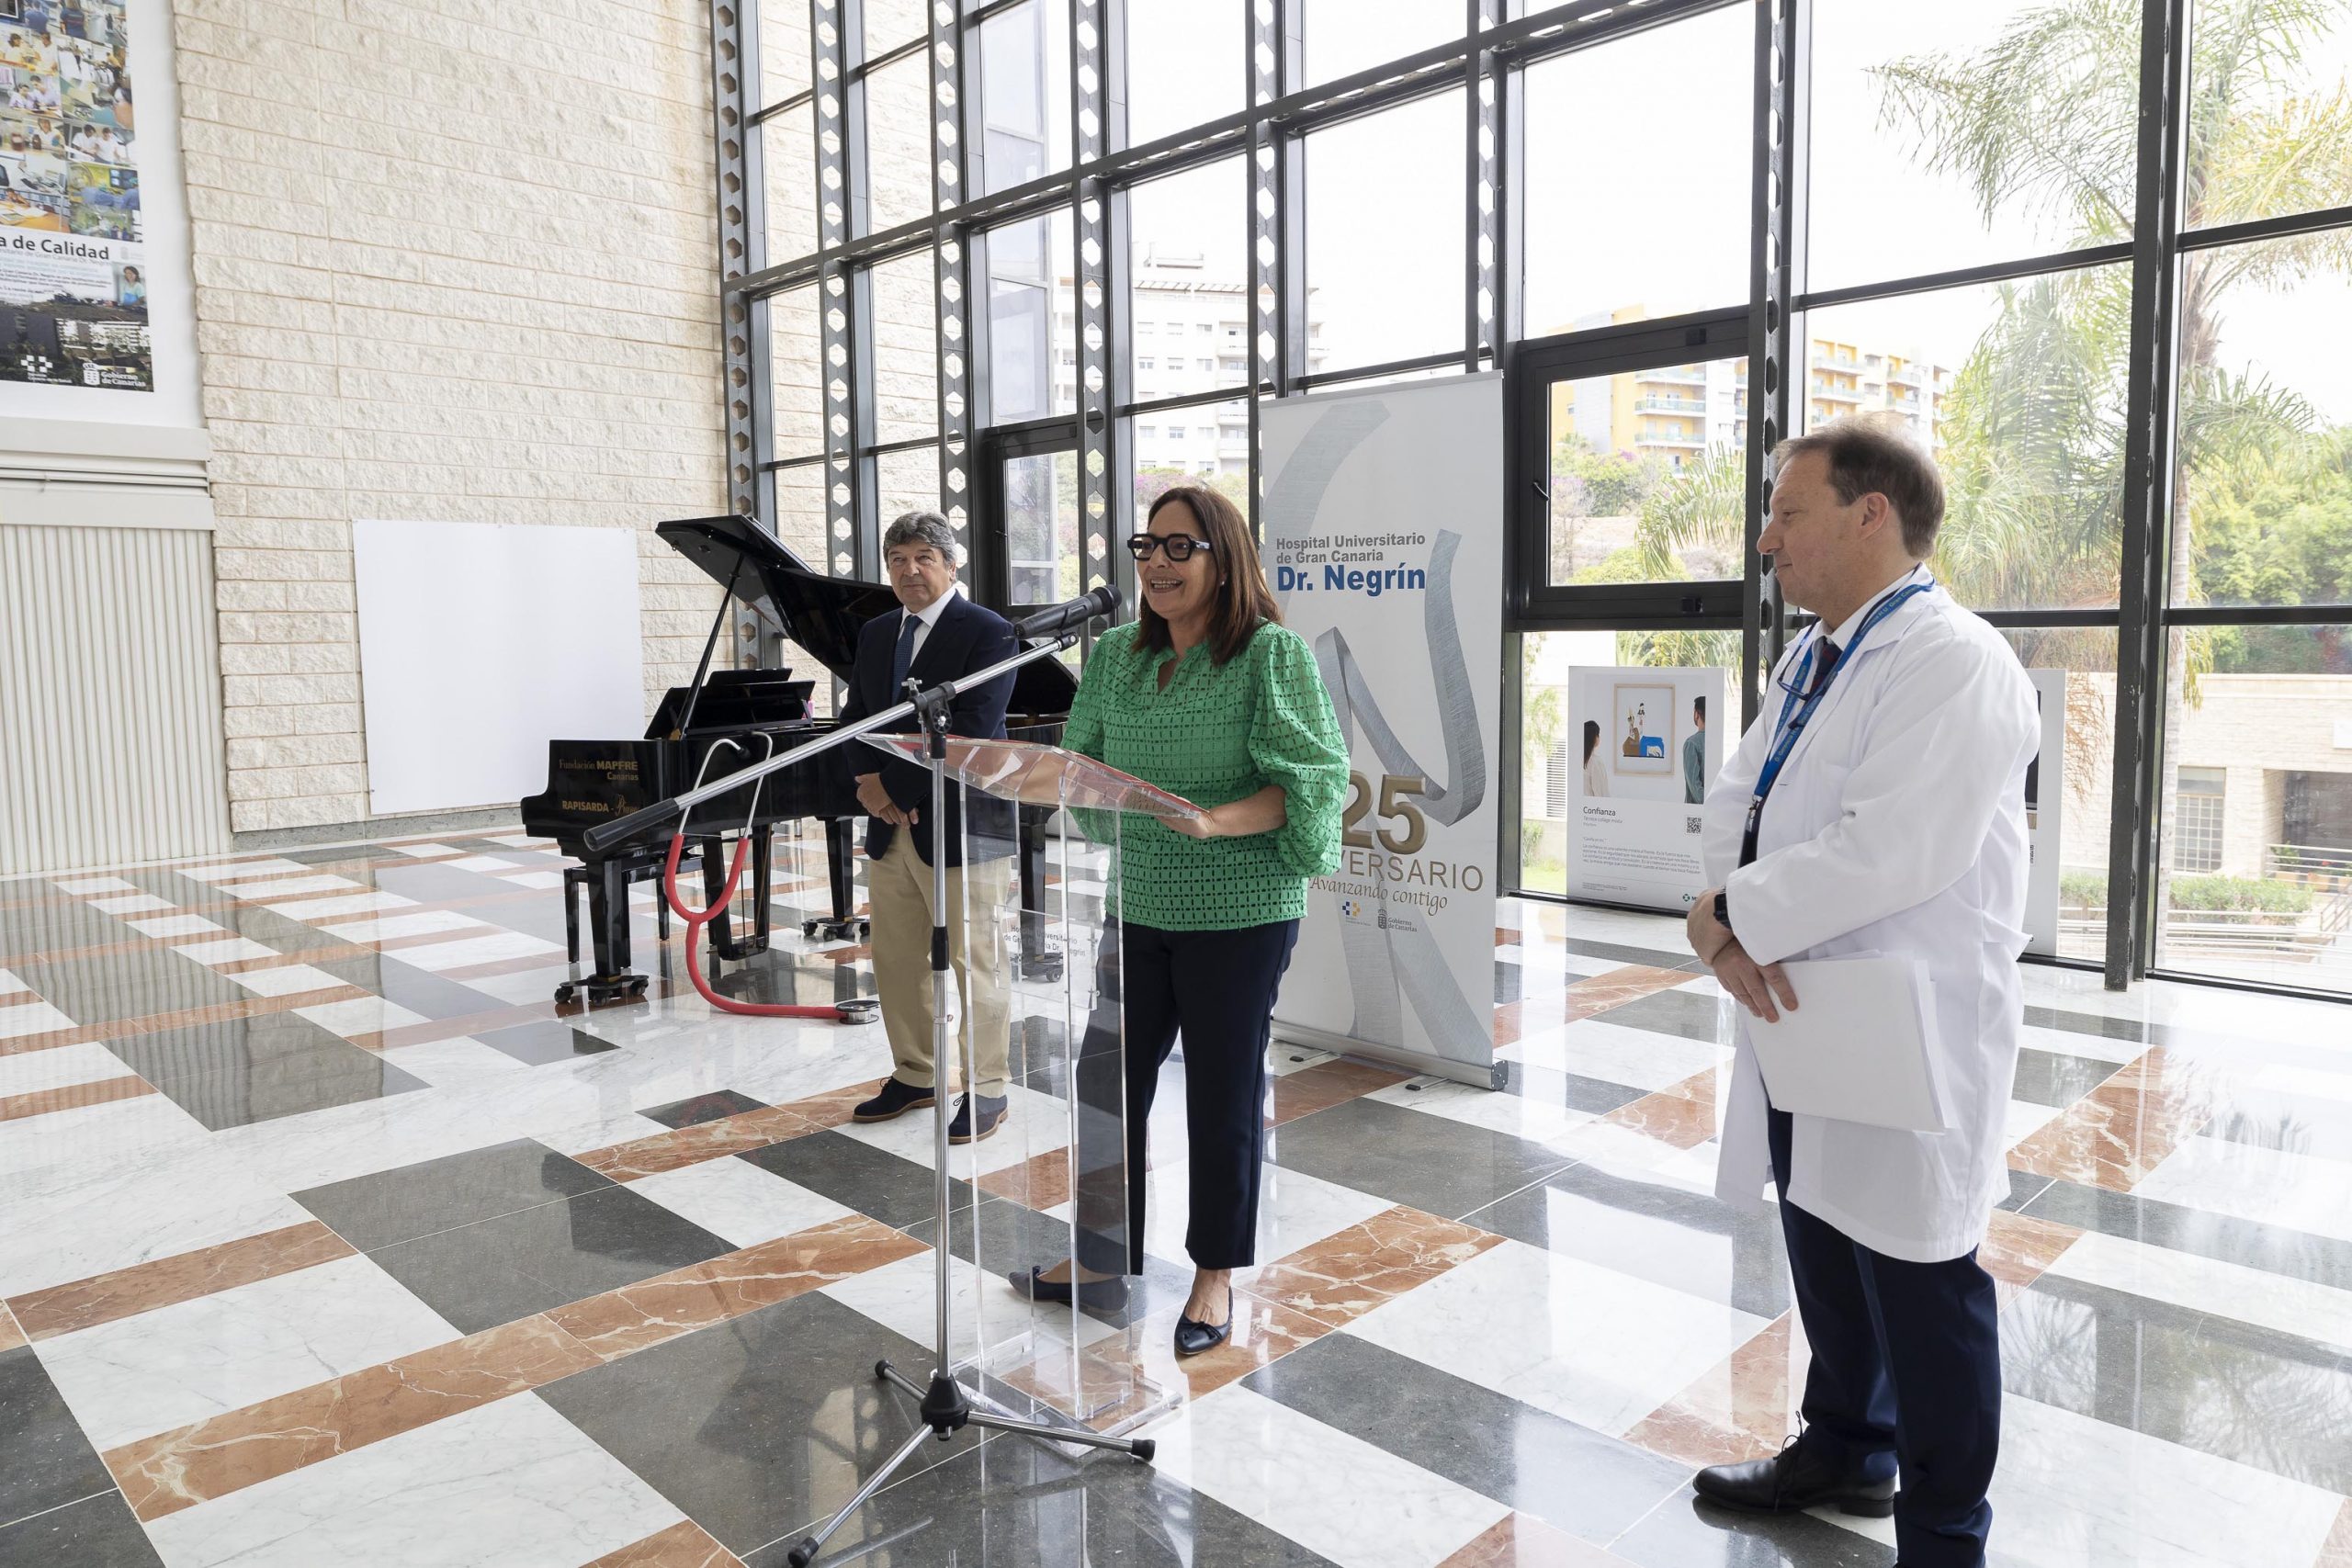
point(938, 634)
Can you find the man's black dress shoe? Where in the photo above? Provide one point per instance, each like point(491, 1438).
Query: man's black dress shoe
point(895, 1100)
point(1794, 1479)
point(1103, 1295)
point(993, 1111)
point(1193, 1338)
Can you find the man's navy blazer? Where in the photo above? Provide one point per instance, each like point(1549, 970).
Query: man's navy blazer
point(966, 638)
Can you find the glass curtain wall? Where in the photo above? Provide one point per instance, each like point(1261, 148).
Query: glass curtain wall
point(1033, 261)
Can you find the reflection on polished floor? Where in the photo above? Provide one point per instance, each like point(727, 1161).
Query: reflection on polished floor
point(323, 1239)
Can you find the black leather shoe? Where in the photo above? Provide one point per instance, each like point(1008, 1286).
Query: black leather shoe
point(895, 1100)
point(993, 1111)
point(1103, 1295)
point(1193, 1338)
point(1794, 1479)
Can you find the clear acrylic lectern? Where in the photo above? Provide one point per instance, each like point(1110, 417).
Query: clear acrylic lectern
point(1042, 1014)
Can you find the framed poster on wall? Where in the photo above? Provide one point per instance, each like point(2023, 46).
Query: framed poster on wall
point(96, 318)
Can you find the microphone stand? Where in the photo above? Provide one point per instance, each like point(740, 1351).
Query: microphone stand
point(947, 1405)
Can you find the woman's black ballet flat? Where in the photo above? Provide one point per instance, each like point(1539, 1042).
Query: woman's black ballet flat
point(1103, 1295)
point(1192, 1337)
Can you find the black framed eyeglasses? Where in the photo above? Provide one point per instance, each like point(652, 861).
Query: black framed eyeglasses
point(1178, 547)
point(1801, 675)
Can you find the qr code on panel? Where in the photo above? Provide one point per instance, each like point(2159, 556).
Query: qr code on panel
point(1689, 824)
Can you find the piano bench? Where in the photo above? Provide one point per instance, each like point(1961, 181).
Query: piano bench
point(644, 865)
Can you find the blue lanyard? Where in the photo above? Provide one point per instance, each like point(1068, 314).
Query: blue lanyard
point(1796, 713)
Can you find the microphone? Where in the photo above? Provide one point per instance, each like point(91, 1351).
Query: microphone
point(1104, 601)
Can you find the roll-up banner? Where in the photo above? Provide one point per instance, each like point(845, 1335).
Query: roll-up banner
point(2045, 803)
point(1384, 528)
point(1643, 745)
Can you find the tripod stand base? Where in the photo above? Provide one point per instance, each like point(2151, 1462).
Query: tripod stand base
point(947, 1408)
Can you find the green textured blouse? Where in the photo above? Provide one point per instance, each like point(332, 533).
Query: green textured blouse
point(1214, 736)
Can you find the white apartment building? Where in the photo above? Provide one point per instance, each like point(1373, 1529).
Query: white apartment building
point(1677, 413)
point(1189, 332)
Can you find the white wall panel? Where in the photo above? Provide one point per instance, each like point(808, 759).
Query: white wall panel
point(479, 643)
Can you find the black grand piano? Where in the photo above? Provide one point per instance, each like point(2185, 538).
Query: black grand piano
point(743, 717)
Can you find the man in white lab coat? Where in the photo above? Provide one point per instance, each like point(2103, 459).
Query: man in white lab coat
point(1893, 822)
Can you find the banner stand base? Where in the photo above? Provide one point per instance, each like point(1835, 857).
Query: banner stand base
point(1488, 1074)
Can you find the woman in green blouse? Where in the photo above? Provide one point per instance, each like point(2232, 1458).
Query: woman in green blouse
point(1208, 695)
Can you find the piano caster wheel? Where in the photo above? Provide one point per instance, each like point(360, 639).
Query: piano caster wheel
point(833, 930)
point(1046, 965)
point(865, 1009)
point(602, 990)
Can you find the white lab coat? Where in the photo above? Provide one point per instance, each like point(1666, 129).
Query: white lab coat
point(1897, 827)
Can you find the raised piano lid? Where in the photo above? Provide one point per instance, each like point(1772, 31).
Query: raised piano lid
point(821, 613)
point(824, 613)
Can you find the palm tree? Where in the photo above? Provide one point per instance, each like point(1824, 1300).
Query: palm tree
point(1700, 507)
point(2046, 119)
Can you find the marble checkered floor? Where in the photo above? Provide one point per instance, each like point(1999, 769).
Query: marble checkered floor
point(324, 1239)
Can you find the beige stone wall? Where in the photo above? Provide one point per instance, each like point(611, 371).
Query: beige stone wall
point(453, 262)
point(2257, 728)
